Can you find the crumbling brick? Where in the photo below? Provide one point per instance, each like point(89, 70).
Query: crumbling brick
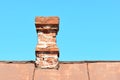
point(47, 52)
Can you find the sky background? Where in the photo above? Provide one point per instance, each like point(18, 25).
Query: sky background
point(89, 29)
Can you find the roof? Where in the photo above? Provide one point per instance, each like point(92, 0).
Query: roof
point(68, 70)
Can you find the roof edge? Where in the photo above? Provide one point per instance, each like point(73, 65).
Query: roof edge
point(62, 62)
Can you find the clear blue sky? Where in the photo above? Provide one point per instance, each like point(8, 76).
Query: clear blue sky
point(89, 29)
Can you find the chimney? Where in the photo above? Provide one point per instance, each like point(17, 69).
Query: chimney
point(47, 52)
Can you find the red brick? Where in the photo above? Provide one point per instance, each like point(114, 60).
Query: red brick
point(47, 20)
point(47, 28)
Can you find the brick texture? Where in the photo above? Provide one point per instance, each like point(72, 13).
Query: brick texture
point(47, 52)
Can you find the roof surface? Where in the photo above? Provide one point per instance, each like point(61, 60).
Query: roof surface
point(72, 70)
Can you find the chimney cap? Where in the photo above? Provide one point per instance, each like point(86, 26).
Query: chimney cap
point(41, 20)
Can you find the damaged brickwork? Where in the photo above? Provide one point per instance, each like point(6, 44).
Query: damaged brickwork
point(47, 52)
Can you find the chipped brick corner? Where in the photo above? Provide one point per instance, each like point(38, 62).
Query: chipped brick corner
point(47, 52)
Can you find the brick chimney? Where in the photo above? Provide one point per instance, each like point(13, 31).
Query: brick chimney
point(47, 52)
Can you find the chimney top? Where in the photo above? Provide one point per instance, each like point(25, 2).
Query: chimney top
point(47, 20)
point(47, 24)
